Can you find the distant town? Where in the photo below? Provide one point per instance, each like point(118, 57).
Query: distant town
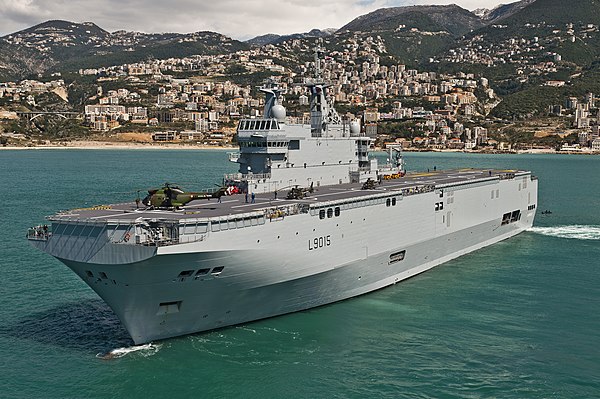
point(199, 99)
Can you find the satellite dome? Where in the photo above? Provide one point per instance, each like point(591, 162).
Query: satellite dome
point(355, 128)
point(278, 112)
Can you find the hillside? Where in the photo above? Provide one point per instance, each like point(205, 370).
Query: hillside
point(63, 46)
point(414, 34)
point(271, 38)
point(451, 19)
point(556, 12)
point(545, 17)
point(502, 11)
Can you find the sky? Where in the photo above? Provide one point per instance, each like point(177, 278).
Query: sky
point(239, 19)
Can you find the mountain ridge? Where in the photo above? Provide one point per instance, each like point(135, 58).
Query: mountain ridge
point(57, 44)
point(412, 35)
point(272, 38)
point(434, 17)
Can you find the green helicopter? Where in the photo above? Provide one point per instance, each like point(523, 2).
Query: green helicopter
point(173, 197)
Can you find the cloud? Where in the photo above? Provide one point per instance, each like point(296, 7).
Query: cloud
point(15, 12)
point(240, 19)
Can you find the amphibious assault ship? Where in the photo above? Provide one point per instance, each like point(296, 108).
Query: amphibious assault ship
point(316, 221)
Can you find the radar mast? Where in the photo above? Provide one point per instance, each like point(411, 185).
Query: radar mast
point(322, 112)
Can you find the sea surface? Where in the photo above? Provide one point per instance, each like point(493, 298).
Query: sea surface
point(519, 319)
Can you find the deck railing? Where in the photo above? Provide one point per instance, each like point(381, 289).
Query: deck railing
point(39, 233)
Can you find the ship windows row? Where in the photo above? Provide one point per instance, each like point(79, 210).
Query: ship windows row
point(439, 206)
point(259, 124)
point(237, 223)
point(264, 143)
point(358, 203)
point(80, 230)
point(511, 217)
point(330, 212)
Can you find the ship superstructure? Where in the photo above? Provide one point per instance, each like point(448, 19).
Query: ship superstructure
point(316, 221)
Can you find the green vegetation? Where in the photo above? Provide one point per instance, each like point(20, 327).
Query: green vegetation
point(535, 100)
point(50, 127)
point(408, 129)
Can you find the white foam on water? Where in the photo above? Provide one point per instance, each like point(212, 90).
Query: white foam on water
point(577, 232)
point(145, 350)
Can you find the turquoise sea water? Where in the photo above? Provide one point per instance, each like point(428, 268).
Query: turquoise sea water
point(519, 319)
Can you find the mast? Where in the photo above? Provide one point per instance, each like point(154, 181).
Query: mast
point(322, 112)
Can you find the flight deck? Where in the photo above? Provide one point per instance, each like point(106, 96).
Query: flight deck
point(230, 205)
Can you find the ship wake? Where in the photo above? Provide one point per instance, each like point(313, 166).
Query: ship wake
point(577, 232)
point(145, 350)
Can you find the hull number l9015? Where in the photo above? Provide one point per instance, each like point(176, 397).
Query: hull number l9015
point(319, 242)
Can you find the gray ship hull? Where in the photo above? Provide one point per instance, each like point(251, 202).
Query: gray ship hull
point(153, 305)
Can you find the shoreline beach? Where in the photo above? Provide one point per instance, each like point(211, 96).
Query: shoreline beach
point(112, 145)
point(116, 145)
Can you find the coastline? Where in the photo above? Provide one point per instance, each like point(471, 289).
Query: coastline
point(112, 145)
point(116, 145)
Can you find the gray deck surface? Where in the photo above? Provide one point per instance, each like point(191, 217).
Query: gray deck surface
point(235, 204)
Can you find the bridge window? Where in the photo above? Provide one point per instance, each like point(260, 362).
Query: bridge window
point(329, 213)
point(322, 214)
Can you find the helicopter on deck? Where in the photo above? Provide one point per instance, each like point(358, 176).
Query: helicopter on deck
point(369, 184)
point(169, 197)
point(298, 192)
